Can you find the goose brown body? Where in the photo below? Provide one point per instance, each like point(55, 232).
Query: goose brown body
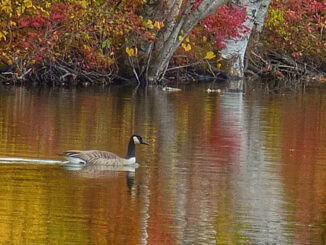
point(96, 157)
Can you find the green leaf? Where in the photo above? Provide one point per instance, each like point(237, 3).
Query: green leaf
point(106, 44)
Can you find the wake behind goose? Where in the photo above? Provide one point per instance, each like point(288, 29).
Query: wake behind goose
point(22, 160)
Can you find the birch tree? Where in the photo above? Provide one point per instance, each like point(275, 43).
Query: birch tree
point(236, 48)
point(179, 17)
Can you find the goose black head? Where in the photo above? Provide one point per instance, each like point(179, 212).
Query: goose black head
point(138, 140)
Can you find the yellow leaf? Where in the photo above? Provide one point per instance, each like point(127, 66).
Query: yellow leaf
point(158, 25)
point(181, 38)
point(28, 3)
point(187, 39)
point(149, 24)
point(3, 35)
point(20, 10)
point(218, 65)
point(110, 61)
point(86, 47)
point(204, 39)
point(186, 46)
point(44, 11)
point(55, 37)
point(12, 23)
point(7, 9)
point(84, 3)
point(131, 52)
point(210, 55)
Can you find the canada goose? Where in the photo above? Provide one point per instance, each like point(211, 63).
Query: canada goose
point(96, 157)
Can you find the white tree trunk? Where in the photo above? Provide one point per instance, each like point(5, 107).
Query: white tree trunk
point(176, 19)
point(235, 49)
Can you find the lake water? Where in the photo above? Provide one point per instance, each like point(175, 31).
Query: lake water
point(220, 169)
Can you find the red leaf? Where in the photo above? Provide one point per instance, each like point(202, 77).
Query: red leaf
point(25, 22)
point(58, 16)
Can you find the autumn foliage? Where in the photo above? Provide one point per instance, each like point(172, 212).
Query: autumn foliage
point(86, 33)
point(95, 35)
point(298, 26)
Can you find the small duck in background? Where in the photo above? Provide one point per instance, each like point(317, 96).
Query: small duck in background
point(213, 90)
point(171, 89)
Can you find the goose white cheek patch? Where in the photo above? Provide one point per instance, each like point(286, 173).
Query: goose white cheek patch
point(136, 140)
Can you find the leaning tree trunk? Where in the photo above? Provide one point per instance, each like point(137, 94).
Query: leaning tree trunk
point(178, 20)
point(235, 49)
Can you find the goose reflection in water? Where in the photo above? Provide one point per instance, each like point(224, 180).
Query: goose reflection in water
point(103, 171)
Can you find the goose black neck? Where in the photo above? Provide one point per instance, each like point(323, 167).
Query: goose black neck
point(131, 149)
